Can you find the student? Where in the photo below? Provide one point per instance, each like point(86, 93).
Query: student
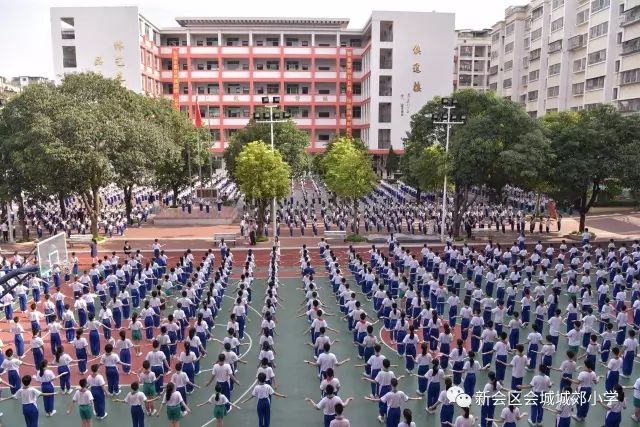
point(98, 388)
point(509, 416)
point(465, 420)
point(137, 400)
point(219, 402)
point(614, 408)
point(181, 380)
point(563, 409)
point(63, 361)
point(263, 393)
point(29, 397)
point(339, 420)
point(148, 379)
point(175, 405)
point(327, 404)
point(446, 410)
point(159, 364)
point(84, 399)
point(586, 380)
point(45, 377)
point(223, 375)
point(408, 419)
point(539, 384)
point(11, 365)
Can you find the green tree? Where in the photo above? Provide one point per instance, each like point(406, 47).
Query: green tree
point(393, 162)
point(290, 141)
point(186, 151)
point(262, 175)
point(589, 149)
point(348, 170)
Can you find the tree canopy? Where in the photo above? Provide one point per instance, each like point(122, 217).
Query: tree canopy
point(290, 141)
point(262, 175)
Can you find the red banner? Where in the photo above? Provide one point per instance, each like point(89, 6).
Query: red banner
point(175, 68)
point(349, 106)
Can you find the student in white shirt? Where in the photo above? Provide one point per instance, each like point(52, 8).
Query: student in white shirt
point(328, 403)
point(393, 400)
point(263, 392)
point(219, 402)
point(84, 399)
point(175, 405)
point(137, 400)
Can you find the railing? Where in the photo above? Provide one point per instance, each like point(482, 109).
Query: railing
point(578, 42)
point(630, 16)
point(631, 46)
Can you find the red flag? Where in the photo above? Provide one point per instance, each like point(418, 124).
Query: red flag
point(198, 116)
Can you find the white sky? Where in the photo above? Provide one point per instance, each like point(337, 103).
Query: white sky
point(25, 34)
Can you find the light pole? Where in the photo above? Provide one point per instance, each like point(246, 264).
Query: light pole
point(449, 120)
point(272, 117)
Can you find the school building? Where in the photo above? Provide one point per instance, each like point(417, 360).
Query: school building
point(555, 55)
point(331, 78)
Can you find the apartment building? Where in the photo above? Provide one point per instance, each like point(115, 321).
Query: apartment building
point(555, 55)
point(331, 78)
point(472, 59)
point(629, 65)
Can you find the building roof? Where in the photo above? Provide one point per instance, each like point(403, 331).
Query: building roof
point(263, 22)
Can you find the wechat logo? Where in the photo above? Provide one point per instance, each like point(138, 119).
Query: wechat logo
point(456, 394)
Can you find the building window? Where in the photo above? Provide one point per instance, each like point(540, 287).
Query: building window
point(598, 5)
point(211, 41)
point(630, 77)
point(557, 24)
point(597, 57)
point(384, 112)
point(556, 4)
point(384, 85)
point(495, 37)
point(582, 17)
point(506, 83)
point(532, 96)
point(534, 54)
point(508, 65)
point(595, 83)
point(386, 59)
point(536, 13)
point(534, 75)
point(67, 28)
point(553, 91)
point(69, 57)
point(554, 69)
point(508, 47)
point(555, 46)
point(615, 93)
point(510, 29)
point(386, 31)
point(384, 138)
point(629, 105)
point(536, 34)
point(577, 88)
point(619, 38)
point(579, 65)
point(599, 30)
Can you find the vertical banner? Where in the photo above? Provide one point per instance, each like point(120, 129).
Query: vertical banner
point(349, 107)
point(175, 68)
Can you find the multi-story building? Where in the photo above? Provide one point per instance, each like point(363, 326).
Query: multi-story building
point(554, 55)
point(471, 59)
point(332, 79)
point(24, 81)
point(629, 77)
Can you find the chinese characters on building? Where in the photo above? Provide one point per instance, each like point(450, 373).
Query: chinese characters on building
point(416, 68)
point(118, 47)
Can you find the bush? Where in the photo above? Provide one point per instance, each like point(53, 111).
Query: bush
point(577, 235)
point(261, 239)
point(355, 238)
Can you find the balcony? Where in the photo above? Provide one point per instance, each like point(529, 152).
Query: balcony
point(630, 16)
point(331, 121)
point(578, 42)
point(631, 46)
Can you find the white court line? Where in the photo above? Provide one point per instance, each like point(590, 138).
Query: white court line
point(246, 352)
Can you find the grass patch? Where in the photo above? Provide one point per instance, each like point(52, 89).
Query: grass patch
point(355, 238)
point(261, 239)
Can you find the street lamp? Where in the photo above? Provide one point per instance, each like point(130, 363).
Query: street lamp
point(448, 119)
point(272, 117)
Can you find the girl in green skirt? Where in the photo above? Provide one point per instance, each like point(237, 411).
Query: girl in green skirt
point(136, 332)
point(220, 402)
point(84, 399)
point(148, 379)
point(175, 405)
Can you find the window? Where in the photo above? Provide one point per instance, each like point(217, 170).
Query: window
point(597, 57)
point(508, 47)
point(67, 28)
point(619, 38)
point(291, 42)
point(273, 65)
point(556, 4)
point(506, 83)
point(555, 46)
point(629, 105)
point(384, 138)
point(211, 41)
point(536, 34)
point(557, 24)
point(384, 112)
point(526, 43)
point(508, 65)
point(554, 69)
point(579, 65)
point(495, 37)
point(273, 41)
point(595, 83)
point(324, 114)
point(582, 17)
point(532, 96)
point(534, 54)
point(536, 13)
point(577, 88)
point(534, 75)
point(69, 57)
point(324, 137)
point(509, 29)
point(615, 93)
point(173, 41)
point(599, 30)
point(212, 65)
point(598, 5)
point(386, 31)
point(631, 46)
point(553, 91)
point(386, 59)
point(617, 65)
point(630, 77)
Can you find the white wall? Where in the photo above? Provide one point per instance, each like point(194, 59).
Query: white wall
point(435, 34)
point(99, 31)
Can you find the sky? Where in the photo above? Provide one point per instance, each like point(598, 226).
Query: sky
point(25, 29)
